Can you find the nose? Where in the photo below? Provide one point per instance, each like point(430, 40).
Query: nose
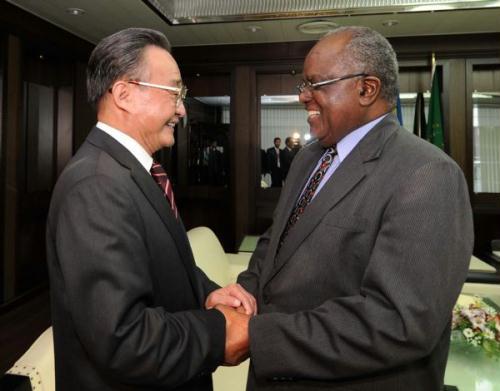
point(181, 110)
point(304, 96)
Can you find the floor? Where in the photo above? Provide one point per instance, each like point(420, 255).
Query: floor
point(20, 325)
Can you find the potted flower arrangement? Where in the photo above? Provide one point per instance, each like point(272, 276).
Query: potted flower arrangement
point(478, 324)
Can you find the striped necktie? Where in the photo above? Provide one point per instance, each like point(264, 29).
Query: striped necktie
point(308, 193)
point(161, 178)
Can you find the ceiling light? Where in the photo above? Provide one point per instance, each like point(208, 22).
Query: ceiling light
point(390, 22)
point(479, 95)
point(407, 95)
point(279, 100)
point(432, 7)
point(317, 27)
point(253, 29)
point(75, 11)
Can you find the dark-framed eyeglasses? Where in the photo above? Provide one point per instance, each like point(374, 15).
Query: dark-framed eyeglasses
point(307, 85)
point(180, 92)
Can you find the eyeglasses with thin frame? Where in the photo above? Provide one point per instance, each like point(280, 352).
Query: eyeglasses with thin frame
point(180, 92)
point(307, 85)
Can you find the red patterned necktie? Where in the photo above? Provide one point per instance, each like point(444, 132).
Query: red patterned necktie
point(161, 178)
point(308, 193)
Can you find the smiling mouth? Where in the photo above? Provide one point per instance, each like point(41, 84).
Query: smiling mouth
point(172, 124)
point(312, 113)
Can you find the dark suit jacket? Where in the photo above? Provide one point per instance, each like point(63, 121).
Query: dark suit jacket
point(361, 293)
point(126, 295)
point(286, 160)
point(272, 166)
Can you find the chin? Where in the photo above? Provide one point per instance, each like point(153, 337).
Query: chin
point(168, 137)
point(169, 143)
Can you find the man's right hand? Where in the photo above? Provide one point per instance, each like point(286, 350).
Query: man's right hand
point(237, 342)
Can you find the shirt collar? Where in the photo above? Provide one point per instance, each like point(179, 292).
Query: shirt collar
point(129, 143)
point(347, 144)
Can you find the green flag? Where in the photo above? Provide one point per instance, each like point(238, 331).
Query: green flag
point(435, 132)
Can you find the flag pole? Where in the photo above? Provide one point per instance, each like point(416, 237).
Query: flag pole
point(433, 65)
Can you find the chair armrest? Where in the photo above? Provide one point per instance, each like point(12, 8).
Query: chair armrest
point(38, 362)
point(237, 264)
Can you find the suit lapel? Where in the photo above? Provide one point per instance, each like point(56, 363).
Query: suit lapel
point(291, 194)
point(153, 194)
point(347, 176)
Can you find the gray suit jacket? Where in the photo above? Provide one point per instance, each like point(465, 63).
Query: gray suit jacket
point(127, 298)
point(361, 293)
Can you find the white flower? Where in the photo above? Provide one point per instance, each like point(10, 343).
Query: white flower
point(468, 333)
point(489, 334)
point(476, 316)
point(478, 323)
point(489, 310)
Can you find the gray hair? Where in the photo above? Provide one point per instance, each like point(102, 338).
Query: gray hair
point(118, 55)
point(369, 52)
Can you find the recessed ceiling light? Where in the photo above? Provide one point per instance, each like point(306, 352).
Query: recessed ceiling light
point(317, 27)
point(253, 29)
point(390, 22)
point(75, 11)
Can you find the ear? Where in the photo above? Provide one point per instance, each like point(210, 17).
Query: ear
point(122, 95)
point(369, 90)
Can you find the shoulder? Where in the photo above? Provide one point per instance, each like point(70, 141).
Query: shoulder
point(409, 149)
point(91, 172)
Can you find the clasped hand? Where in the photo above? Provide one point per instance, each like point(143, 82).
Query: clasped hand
point(237, 306)
point(233, 295)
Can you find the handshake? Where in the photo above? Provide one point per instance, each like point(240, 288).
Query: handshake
point(237, 306)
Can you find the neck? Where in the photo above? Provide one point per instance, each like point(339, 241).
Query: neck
point(125, 125)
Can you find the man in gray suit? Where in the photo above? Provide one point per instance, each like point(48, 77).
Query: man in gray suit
point(371, 239)
point(128, 302)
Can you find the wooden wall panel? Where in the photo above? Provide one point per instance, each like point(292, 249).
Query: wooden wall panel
point(12, 139)
point(277, 84)
point(84, 115)
point(455, 117)
point(243, 132)
point(413, 79)
point(213, 85)
point(64, 140)
point(486, 78)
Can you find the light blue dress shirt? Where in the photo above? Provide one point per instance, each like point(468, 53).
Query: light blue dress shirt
point(344, 148)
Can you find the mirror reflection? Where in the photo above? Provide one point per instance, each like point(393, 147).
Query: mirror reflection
point(284, 130)
point(208, 142)
point(486, 141)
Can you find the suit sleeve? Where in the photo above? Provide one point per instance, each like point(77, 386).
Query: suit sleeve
point(249, 278)
point(414, 274)
point(207, 284)
point(104, 263)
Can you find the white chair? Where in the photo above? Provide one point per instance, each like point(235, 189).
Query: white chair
point(38, 363)
point(222, 268)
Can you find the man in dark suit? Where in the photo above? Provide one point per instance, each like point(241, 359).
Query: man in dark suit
point(128, 301)
point(274, 163)
point(370, 242)
point(287, 156)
